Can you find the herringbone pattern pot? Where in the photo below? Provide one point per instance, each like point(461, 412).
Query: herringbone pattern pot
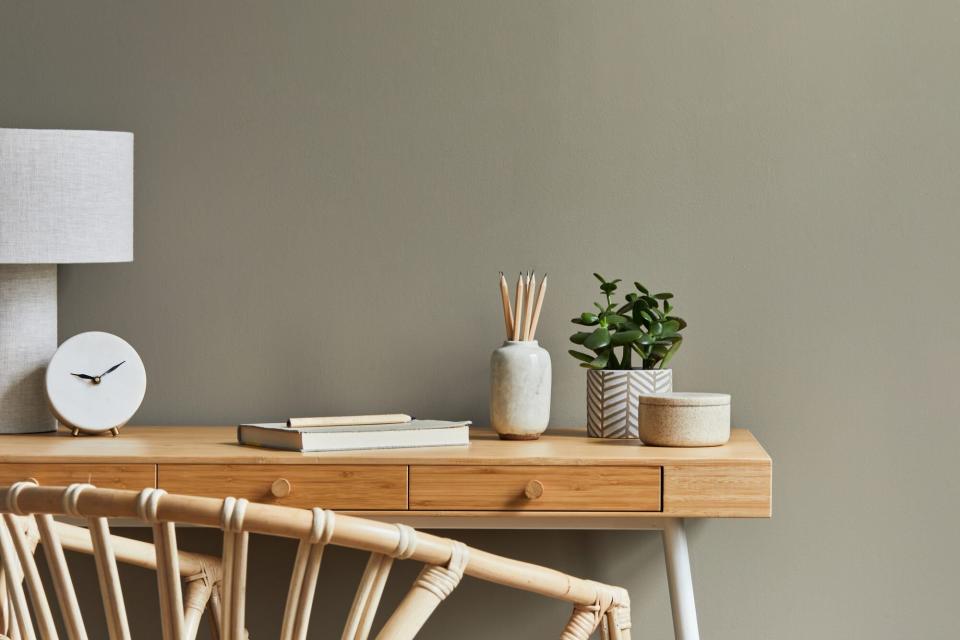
point(613, 399)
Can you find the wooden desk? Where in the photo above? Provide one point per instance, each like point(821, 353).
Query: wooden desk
point(562, 481)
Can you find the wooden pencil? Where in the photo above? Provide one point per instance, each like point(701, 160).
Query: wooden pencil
point(518, 311)
point(536, 310)
point(507, 311)
point(530, 292)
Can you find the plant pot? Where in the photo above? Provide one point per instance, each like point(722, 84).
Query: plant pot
point(520, 390)
point(613, 399)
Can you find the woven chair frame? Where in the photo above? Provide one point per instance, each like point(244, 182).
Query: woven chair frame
point(595, 605)
point(200, 573)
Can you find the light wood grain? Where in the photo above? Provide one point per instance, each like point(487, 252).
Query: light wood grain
point(728, 481)
point(718, 490)
point(111, 476)
point(207, 445)
point(535, 488)
point(332, 487)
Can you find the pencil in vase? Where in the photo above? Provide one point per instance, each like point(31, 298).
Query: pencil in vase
point(520, 370)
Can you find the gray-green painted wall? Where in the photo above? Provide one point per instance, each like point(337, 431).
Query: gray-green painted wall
point(326, 191)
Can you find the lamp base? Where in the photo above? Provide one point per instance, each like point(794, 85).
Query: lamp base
point(28, 338)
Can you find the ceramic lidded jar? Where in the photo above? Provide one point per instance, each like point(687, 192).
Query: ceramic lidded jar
point(685, 419)
point(520, 380)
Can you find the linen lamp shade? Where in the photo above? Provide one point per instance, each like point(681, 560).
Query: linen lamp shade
point(65, 197)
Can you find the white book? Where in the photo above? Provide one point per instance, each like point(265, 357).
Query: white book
point(416, 433)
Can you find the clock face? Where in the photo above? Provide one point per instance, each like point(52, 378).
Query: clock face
point(95, 382)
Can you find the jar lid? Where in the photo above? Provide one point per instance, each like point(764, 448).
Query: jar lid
point(686, 399)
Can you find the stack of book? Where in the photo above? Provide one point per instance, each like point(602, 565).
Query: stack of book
point(352, 433)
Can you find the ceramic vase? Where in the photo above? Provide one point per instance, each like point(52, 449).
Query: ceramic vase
point(520, 380)
point(613, 399)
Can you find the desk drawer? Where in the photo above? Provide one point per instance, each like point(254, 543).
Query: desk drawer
point(344, 487)
point(107, 476)
point(534, 488)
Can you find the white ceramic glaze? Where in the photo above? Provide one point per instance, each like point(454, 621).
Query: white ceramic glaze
point(685, 419)
point(612, 399)
point(520, 378)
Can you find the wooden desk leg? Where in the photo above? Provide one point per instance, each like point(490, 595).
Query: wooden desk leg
point(680, 580)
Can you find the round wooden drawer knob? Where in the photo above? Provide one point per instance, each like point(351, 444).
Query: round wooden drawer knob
point(281, 488)
point(533, 490)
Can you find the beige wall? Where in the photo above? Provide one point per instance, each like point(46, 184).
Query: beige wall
point(326, 191)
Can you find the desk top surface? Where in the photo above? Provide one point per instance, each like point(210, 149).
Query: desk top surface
point(218, 445)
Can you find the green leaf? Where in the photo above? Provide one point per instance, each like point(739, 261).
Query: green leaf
point(669, 355)
point(656, 328)
point(608, 287)
point(580, 356)
point(632, 297)
point(667, 307)
point(645, 340)
point(598, 339)
point(640, 349)
point(586, 319)
point(663, 296)
point(579, 337)
point(598, 306)
point(600, 361)
point(671, 326)
point(683, 323)
point(625, 337)
point(613, 318)
point(652, 302)
point(600, 277)
point(641, 288)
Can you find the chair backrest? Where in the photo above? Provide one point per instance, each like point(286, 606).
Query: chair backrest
point(201, 573)
point(446, 561)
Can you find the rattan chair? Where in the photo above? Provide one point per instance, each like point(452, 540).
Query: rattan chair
point(201, 574)
point(595, 605)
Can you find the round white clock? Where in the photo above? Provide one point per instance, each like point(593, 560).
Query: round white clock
point(95, 383)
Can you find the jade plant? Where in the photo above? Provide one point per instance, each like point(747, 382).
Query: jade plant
point(642, 327)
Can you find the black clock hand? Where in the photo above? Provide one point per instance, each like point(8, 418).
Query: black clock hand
point(83, 375)
point(111, 369)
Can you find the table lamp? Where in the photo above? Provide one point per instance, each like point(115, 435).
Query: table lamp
point(65, 197)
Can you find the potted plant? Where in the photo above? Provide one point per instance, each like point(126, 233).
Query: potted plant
point(643, 329)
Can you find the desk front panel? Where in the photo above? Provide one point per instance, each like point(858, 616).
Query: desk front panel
point(107, 476)
point(534, 488)
point(345, 487)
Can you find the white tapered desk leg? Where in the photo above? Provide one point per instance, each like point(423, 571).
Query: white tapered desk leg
point(680, 580)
